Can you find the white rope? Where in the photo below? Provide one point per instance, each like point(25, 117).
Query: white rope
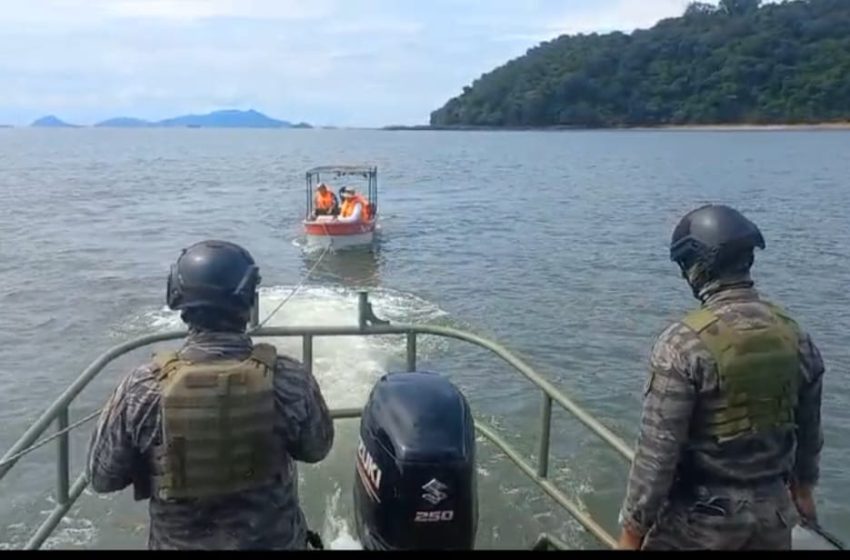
point(300, 285)
point(50, 438)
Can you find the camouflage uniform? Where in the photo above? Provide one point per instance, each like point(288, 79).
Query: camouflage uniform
point(687, 492)
point(266, 518)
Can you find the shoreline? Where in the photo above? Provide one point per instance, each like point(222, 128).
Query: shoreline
point(733, 127)
point(643, 128)
point(462, 128)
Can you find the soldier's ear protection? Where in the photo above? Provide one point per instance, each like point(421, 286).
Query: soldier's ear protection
point(173, 288)
point(247, 290)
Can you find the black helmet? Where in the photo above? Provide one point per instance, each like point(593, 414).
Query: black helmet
point(214, 275)
point(714, 236)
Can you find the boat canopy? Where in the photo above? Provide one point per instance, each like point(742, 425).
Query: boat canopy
point(338, 175)
point(342, 170)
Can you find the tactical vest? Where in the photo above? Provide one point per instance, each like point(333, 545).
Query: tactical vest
point(217, 425)
point(758, 372)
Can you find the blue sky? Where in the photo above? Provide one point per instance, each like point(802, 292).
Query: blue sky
point(341, 62)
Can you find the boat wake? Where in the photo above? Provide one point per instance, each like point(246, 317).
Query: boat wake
point(345, 367)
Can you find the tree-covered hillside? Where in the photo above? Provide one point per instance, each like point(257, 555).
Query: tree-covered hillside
point(737, 62)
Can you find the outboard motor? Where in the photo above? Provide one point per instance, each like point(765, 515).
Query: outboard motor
point(416, 486)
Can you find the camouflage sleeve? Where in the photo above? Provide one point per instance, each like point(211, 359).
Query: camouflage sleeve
point(809, 431)
point(115, 457)
point(304, 422)
point(669, 399)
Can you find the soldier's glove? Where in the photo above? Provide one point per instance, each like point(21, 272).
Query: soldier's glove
point(314, 541)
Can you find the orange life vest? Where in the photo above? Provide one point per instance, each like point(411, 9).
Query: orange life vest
point(348, 208)
point(324, 201)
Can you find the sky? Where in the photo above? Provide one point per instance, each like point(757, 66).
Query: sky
point(327, 62)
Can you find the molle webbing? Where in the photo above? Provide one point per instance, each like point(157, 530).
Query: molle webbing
point(758, 372)
point(217, 425)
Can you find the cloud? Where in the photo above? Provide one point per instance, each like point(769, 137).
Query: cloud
point(199, 9)
point(344, 62)
point(99, 11)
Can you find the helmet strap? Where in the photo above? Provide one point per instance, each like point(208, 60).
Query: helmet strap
point(697, 278)
point(721, 284)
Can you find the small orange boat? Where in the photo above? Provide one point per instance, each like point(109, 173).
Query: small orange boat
point(329, 230)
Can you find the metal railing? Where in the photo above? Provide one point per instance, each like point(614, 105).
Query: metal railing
point(368, 325)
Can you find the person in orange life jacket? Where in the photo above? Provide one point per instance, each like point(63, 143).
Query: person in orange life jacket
point(326, 203)
point(354, 207)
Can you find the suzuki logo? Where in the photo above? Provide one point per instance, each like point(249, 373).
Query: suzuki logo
point(369, 472)
point(434, 492)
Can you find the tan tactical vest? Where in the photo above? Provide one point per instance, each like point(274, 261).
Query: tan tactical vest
point(758, 371)
point(217, 420)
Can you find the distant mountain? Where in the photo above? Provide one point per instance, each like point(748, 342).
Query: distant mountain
point(51, 121)
point(216, 119)
point(124, 122)
point(226, 119)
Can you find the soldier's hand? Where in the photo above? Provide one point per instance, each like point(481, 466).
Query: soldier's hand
point(805, 501)
point(629, 541)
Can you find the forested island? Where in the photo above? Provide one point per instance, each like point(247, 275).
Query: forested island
point(739, 62)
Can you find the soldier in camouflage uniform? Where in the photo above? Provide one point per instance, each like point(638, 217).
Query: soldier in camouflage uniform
point(210, 434)
point(730, 433)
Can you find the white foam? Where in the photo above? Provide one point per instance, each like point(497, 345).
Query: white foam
point(345, 367)
point(336, 529)
point(74, 532)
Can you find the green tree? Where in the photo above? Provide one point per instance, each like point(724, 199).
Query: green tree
point(739, 7)
point(734, 63)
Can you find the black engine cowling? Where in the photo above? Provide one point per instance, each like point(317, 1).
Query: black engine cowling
point(415, 483)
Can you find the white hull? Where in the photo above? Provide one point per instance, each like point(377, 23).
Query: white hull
point(341, 241)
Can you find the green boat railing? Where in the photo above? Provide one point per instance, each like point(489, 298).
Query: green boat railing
point(368, 325)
